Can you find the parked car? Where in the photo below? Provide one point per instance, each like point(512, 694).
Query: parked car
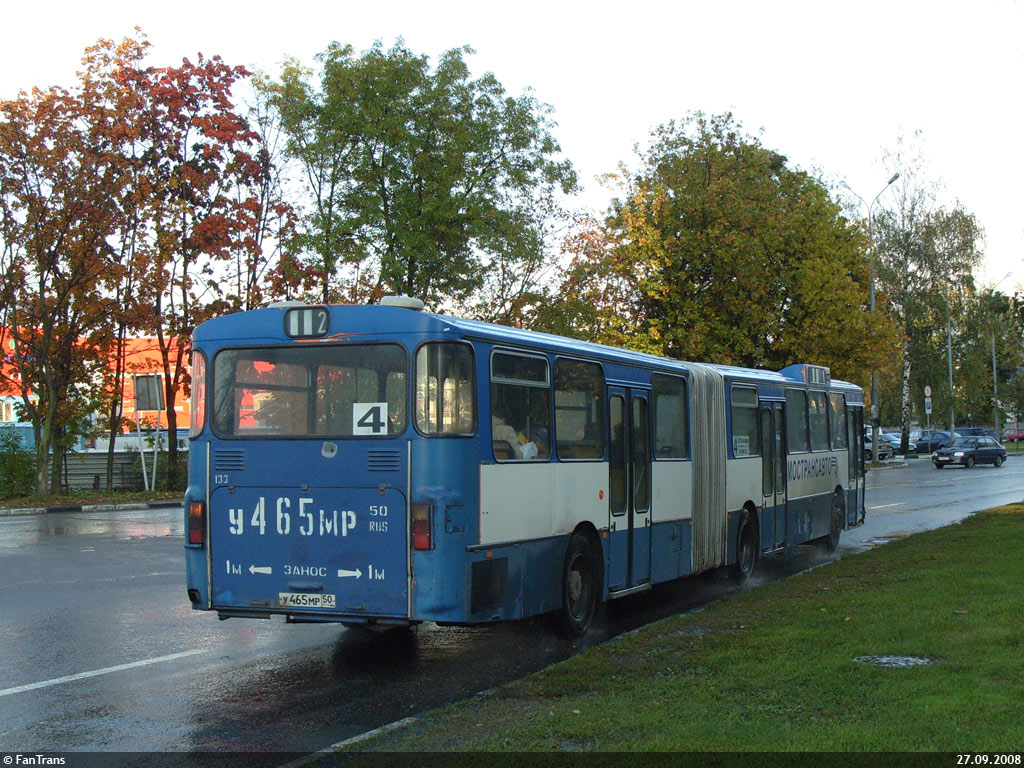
point(894, 439)
point(976, 432)
point(885, 450)
point(969, 451)
point(928, 440)
point(1013, 435)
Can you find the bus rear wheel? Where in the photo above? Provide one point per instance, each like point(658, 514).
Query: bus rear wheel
point(746, 550)
point(579, 586)
point(831, 541)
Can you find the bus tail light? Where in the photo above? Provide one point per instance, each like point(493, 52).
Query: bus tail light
point(196, 522)
point(421, 526)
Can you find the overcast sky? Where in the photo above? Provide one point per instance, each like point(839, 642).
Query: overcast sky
point(832, 85)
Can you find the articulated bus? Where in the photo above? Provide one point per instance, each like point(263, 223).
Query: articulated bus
point(385, 466)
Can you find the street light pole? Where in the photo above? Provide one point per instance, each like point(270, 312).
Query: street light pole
point(876, 413)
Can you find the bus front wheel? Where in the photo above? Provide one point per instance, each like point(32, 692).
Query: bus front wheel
point(579, 586)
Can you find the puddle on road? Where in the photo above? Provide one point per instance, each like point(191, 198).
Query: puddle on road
point(880, 540)
point(897, 662)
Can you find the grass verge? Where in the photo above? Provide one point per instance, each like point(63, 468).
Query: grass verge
point(90, 497)
point(774, 668)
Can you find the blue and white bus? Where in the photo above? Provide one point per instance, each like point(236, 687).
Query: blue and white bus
point(382, 465)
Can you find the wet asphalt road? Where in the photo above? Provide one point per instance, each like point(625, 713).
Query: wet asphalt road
point(100, 651)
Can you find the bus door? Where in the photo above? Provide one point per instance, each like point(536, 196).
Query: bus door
point(855, 465)
point(773, 469)
point(629, 488)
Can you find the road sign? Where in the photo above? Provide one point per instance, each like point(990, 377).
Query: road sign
point(928, 391)
point(928, 406)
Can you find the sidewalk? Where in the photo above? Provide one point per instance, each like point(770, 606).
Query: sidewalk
point(128, 505)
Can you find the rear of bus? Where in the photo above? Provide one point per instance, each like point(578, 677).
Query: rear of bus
point(300, 467)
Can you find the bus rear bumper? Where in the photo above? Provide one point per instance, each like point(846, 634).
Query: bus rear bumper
point(317, 618)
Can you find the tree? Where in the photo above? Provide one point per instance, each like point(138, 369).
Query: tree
point(991, 337)
point(594, 297)
point(59, 178)
point(105, 66)
point(201, 200)
point(261, 267)
point(124, 205)
point(927, 255)
point(1011, 390)
point(419, 181)
point(727, 255)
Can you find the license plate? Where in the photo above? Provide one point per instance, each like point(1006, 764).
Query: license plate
point(306, 600)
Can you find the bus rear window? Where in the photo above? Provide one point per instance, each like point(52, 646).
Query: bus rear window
point(311, 391)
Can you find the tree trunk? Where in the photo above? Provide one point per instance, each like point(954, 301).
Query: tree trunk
point(56, 462)
point(116, 404)
point(172, 448)
point(44, 447)
point(905, 403)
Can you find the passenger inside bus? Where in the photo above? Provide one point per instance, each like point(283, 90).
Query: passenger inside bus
point(504, 438)
point(540, 441)
point(510, 443)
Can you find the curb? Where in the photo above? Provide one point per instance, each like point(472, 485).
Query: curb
point(886, 465)
point(138, 505)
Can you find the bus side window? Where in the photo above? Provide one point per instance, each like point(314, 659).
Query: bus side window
point(796, 419)
point(520, 407)
point(579, 409)
point(445, 403)
point(671, 429)
point(744, 421)
point(818, 421)
point(837, 422)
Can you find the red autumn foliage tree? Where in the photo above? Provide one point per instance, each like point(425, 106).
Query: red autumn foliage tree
point(139, 202)
point(59, 178)
point(196, 171)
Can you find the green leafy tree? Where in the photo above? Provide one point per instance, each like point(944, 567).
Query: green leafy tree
point(927, 255)
point(595, 295)
point(991, 335)
point(719, 251)
point(418, 180)
point(17, 466)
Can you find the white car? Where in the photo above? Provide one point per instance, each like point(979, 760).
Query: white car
point(885, 450)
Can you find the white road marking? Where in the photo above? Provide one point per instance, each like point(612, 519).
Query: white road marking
point(886, 506)
point(387, 728)
point(95, 672)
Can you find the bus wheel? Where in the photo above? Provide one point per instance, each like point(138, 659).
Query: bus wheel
point(835, 529)
point(746, 550)
point(579, 586)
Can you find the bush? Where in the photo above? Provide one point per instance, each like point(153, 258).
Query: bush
point(17, 466)
point(162, 483)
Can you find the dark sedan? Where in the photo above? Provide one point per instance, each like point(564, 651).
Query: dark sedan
point(894, 439)
point(928, 440)
point(969, 451)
